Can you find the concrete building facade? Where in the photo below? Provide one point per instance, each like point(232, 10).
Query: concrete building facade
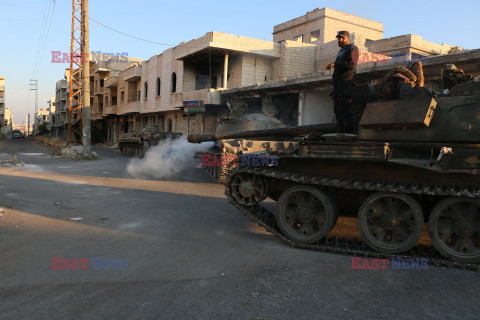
point(2, 104)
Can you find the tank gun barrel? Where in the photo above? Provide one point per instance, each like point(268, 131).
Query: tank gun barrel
point(277, 132)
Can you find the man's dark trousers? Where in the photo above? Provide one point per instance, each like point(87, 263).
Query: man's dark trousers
point(342, 105)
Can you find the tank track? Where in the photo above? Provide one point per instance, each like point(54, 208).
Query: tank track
point(266, 219)
point(132, 149)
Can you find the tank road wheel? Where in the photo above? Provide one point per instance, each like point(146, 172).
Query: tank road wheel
point(248, 189)
point(390, 222)
point(305, 214)
point(454, 229)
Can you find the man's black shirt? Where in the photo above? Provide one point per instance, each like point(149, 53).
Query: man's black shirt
point(346, 63)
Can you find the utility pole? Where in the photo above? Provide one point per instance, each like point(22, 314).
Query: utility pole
point(34, 87)
point(79, 129)
point(86, 139)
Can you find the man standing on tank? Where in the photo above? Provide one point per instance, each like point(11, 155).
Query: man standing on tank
point(344, 69)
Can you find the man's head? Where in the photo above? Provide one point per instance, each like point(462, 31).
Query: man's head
point(343, 38)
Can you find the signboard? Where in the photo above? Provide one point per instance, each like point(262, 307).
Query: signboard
point(194, 106)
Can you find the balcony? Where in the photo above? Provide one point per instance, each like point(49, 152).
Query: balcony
point(176, 99)
point(132, 74)
point(96, 116)
point(110, 110)
point(99, 91)
point(101, 67)
point(111, 82)
point(63, 84)
point(137, 107)
point(209, 96)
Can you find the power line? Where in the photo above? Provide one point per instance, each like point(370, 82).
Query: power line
point(23, 20)
point(39, 45)
point(19, 6)
point(163, 44)
point(45, 41)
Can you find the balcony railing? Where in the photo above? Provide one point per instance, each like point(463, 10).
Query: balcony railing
point(99, 91)
point(209, 96)
point(176, 99)
point(110, 110)
point(101, 67)
point(132, 74)
point(111, 82)
point(137, 106)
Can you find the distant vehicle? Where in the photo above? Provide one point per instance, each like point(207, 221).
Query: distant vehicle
point(18, 134)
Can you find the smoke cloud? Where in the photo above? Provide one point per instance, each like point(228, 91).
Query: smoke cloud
point(166, 159)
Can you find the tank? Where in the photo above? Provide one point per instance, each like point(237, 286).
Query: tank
point(137, 143)
point(412, 161)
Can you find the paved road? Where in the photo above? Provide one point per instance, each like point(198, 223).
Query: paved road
point(189, 254)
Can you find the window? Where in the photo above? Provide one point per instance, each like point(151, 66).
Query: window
point(101, 83)
point(158, 86)
point(122, 96)
point(101, 107)
point(114, 101)
point(106, 100)
point(138, 95)
point(314, 35)
point(145, 89)
point(169, 125)
point(298, 38)
point(174, 83)
point(214, 83)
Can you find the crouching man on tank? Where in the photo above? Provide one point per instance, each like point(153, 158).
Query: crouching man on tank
point(344, 69)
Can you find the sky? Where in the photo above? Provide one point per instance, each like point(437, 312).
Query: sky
point(172, 22)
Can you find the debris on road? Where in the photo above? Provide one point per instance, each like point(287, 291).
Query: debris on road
point(76, 219)
point(255, 294)
point(60, 205)
point(76, 153)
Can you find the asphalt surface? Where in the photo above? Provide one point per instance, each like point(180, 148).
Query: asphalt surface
point(190, 255)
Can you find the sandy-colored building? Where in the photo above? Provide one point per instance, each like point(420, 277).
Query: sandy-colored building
point(321, 26)
point(2, 104)
point(8, 121)
point(59, 118)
